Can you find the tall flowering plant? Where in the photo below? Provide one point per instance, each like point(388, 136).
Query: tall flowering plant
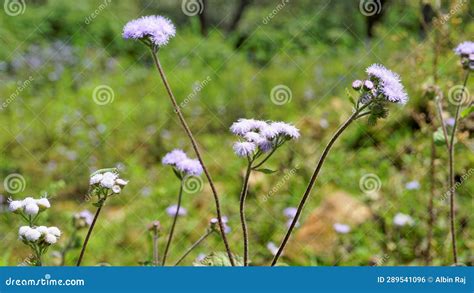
point(258, 141)
point(38, 238)
point(103, 184)
point(381, 88)
point(155, 32)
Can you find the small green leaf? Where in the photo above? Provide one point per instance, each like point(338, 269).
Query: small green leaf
point(467, 111)
point(265, 171)
point(218, 259)
point(438, 137)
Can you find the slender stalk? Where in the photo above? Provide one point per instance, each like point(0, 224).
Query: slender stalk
point(196, 150)
point(86, 241)
point(68, 246)
point(243, 196)
point(452, 182)
point(195, 244)
point(431, 214)
point(175, 219)
point(155, 247)
point(312, 181)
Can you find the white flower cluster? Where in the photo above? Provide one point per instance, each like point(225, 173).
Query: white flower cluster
point(108, 180)
point(40, 235)
point(261, 136)
point(29, 206)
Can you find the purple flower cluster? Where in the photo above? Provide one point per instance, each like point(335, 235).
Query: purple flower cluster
point(290, 214)
point(465, 48)
point(171, 211)
point(261, 136)
point(387, 83)
point(158, 29)
point(180, 161)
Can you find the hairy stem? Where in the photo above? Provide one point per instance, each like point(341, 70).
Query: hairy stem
point(155, 247)
point(86, 241)
point(195, 244)
point(196, 150)
point(243, 196)
point(452, 191)
point(175, 219)
point(312, 181)
point(431, 214)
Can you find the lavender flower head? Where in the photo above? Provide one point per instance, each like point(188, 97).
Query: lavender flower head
point(171, 211)
point(341, 228)
point(290, 214)
point(260, 136)
point(227, 229)
point(180, 161)
point(83, 219)
point(401, 220)
point(465, 48)
point(387, 83)
point(158, 29)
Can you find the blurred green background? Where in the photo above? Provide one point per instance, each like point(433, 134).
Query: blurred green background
point(55, 135)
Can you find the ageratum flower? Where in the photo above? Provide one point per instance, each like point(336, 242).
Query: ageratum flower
point(387, 84)
point(341, 228)
point(244, 148)
point(157, 29)
point(171, 210)
point(401, 220)
point(465, 48)
point(184, 165)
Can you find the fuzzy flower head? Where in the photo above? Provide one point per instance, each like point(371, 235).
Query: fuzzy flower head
point(387, 84)
point(401, 220)
point(83, 219)
point(258, 137)
point(341, 228)
point(155, 28)
point(171, 211)
point(182, 164)
point(106, 181)
point(465, 48)
point(41, 235)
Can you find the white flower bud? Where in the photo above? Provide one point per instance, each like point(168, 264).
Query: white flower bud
point(108, 180)
point(31, 209)
point(29, 200)
point(95, 179)
point(54, 231)
point(116, 189)
point(50, 239)
point(42, 229)
point(22, 231)
point(43, 203)
point(15, 206)
point(32, 235)
point(121, 182)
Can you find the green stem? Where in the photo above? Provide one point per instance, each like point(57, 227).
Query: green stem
point(310, 186)
point(86, 241)
point(175, 219)
point(196, 150)
point(243, 196)
point(195, 244)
